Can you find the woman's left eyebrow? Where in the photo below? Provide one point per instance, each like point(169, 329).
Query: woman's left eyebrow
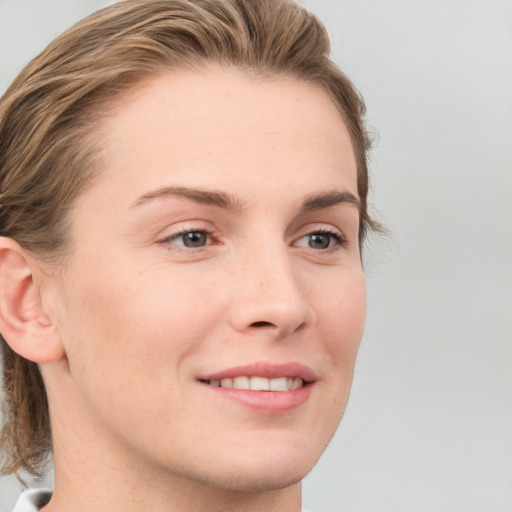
point(327, 199)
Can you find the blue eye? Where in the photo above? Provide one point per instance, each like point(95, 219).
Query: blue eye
point(321, 240)
point(191, 239)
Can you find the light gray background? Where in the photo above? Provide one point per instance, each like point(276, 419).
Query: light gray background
point(429, 423)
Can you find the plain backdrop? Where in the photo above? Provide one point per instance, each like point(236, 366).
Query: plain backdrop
point(429, 422)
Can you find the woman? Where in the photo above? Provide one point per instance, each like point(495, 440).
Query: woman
point(183, 204)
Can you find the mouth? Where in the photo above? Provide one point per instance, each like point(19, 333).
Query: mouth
point(266, 388)
point(258, 383)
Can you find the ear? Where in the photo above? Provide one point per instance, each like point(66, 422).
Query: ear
point(23, 322)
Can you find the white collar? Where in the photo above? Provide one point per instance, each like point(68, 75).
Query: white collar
point(32, 500)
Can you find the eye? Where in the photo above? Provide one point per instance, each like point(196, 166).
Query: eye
point(321, 240)
point(191, 238)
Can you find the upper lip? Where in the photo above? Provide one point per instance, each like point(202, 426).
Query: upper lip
point(268, 370)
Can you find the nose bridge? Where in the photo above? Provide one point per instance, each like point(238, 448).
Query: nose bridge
point(270, 293)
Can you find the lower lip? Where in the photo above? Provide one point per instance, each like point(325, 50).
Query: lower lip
point(266, 402)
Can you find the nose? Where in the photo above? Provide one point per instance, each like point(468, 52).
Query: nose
point(271, 295)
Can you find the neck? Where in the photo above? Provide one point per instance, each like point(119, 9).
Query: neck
point(178, 495)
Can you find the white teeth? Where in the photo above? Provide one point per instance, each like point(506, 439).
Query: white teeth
point(297, 383)
point(226, 383)
point(241, 383)
point(257, 383)
point(260, 384)
point(278, 384)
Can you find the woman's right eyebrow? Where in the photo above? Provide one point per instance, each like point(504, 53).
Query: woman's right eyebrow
point(215, 198)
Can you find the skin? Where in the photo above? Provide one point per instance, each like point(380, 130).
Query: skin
point(139, 316)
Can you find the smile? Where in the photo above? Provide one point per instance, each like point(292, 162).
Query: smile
point(258, 383)
point(265, 388)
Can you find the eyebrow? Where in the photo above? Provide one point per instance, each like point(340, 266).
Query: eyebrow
point(225, 201)
point(207, 197)
point(326, 199)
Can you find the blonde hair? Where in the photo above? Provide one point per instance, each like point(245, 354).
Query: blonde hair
point(48, 151)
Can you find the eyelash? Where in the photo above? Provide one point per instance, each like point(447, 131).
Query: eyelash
point(339, 239)
point(169, 239)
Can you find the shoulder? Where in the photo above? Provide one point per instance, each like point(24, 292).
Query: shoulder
point(32, 500)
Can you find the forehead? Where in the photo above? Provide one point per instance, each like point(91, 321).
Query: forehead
point(203, 125)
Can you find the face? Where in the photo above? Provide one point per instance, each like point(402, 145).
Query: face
point(214, 299)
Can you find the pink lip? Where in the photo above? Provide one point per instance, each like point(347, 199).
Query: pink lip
point(270, 371)
point(268, 403)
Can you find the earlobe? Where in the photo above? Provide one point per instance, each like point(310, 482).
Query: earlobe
point(24, 324)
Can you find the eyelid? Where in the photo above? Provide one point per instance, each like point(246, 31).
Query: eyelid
point(180, 234)
point(319, 227)
point(184, 228)
point(337, 238)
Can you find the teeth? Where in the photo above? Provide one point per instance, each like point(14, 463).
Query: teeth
point(279, 384)
point(260, 383)
point(257, 383)
point(241, 383)
point(297, 383)
point(226, 383)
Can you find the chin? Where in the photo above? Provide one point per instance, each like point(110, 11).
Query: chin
point(252, 480)
point(268, 469)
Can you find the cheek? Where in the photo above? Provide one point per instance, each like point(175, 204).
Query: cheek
point(342, 300)
point(135, 324)
point(340, 323)
point(341, 320)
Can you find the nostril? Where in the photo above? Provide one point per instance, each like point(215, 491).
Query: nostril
point(262, 324)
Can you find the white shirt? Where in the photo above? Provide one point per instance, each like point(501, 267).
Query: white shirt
point(32, 500)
